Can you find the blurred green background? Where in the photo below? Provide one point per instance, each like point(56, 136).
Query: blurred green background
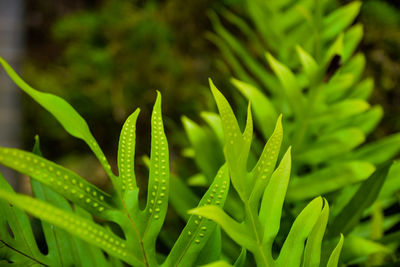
point(107, 58)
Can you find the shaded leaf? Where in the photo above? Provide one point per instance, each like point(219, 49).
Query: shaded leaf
point(329, 179)
point(75, 225)
point(331, 145)
point(235, 230)
point(312, 252)
point(339, 19)
point(292, 249)
point(334, 258)
point(264, 110)
point(348, 218)
point(290, 85)
point(58, 178)
point(379, 151)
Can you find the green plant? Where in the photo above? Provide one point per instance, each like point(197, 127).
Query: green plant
point(317, 86)
point(316, 82)
point(262, 192)
point(139, 228)
point(76, 216)
point(300, 62)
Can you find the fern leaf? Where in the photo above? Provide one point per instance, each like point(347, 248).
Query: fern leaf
point(272, 201)
point(60, 179)
point(75, 225)
point(158, 186)
point(72, 122)
point(126, 153)
point(198, 230)
point(292, 249)
point(264, 168)
point(235, 230)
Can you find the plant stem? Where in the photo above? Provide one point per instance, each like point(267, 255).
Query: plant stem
point(261, 258)
point(146, 262)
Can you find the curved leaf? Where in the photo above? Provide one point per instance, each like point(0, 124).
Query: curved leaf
point(334, 258)
point(264, 168)
point(75, 225)
point(292, 249)
point(58, 178)
point(72, 122)
point(126, 153)
point(326, 180)
point(235, 230)
point(272, 201)
point(312, 252)
point(158, 187)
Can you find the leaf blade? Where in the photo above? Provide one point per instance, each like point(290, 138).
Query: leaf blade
point(334, 257)
point(68, 117)
point(312, 252)
point(363, 198)
point(126, 153)
point(158, 186)
point(293, 246)
point(198, 230)
point(272, 201)
point(60, 179)
point(75, 225)
point(235, 230)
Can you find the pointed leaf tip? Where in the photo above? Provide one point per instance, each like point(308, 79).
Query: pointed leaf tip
point(278, 124)
point(213, 88)
point(158, 98)
point(334, 257)
point(289, 151)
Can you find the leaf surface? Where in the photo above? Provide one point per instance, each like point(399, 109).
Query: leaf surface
point(198, 229)
point(75, 225)
point(312, 252)
point(329, 179)
point(264, 168)
point(334, 258)
point(264, 111)
point(69, 118)
point(58, 178)
point(348, 218)
point(292, 249)
point(339, 19)
point(289, 83)
point(272, 201)
point(126, 153)
point(235, 230)
point(158, 186)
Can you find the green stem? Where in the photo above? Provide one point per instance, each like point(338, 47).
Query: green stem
point(262, 259)
point(132, 223)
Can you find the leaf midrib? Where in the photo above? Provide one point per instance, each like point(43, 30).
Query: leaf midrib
point(23, 254)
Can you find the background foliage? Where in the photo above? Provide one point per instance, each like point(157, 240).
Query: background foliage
point(107, 57)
